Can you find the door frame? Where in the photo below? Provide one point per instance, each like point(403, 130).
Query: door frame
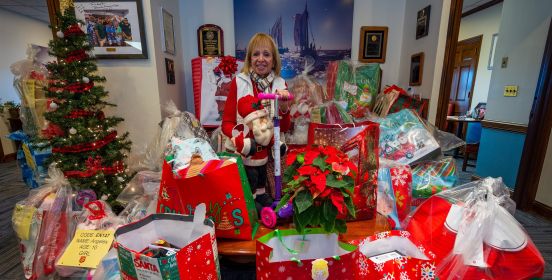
point(536, 140)
point(474, 39)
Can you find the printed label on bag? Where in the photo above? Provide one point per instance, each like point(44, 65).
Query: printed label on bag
point(87, 248)
point(381, 258)
point(350, 88)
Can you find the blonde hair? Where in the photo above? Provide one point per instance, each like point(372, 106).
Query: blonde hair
point(262, 39)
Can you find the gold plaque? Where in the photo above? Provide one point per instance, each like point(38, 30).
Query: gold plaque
point(210, 40)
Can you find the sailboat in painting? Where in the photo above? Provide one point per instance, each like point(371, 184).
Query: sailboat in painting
point(304, 39)
point(276, 34)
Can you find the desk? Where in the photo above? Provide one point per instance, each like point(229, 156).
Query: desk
point(241, 251)
point(461, 120)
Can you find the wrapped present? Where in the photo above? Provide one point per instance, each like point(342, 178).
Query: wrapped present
point(286, 254)
point(31, 158)
point(344, 83)
point(359, 142)
point(431, 177)
point(330, 112)
point(404, 101)
point(331, 79)
point(394, 255)
point(192, 253)
point(222, 185)
point(386, 99)
point(405, 139)
point(211, 83)
point(473, 234)
point(387, 205)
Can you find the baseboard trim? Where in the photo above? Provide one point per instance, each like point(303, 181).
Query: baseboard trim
point(9, 157)
point(542, 209)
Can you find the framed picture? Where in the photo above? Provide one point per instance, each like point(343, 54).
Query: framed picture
point(114, 28)
point(422, 22)
point(492, 53)
point(210, 40)
point(169, 68)
point(168, 32)
point(416, 69)
point(373, 44)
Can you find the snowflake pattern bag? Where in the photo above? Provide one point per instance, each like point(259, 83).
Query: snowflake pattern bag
point(222, 185)
point(432, 177)
point(394, 255)
point(398, 179)
point(197, 257)
point(286, 254)
point(360, 142)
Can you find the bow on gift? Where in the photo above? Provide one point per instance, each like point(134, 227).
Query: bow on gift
point(228, 66)
point(96, 209)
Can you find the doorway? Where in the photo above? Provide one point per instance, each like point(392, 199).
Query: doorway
point(464, 73)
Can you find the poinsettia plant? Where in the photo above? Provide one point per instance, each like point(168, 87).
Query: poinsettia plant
point(319, 182)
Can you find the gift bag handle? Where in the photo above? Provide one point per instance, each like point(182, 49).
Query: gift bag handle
point(199, 218)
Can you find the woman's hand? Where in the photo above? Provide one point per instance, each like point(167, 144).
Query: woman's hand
point(284, 103)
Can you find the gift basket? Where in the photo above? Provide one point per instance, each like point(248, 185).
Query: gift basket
point(473, 234)
point(211, 83)
point(431, 177)
point(30, 79)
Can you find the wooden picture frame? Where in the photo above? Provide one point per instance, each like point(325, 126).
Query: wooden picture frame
point(422, 22)
point(416, 69)
point(373, 44)
point(167, 36)
point(169, 69)
point(210, 40)
point(122, 27)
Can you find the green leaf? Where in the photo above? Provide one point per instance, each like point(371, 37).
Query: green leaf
point(329, 211)
point(320, 162)
point(298, 226)
point(303, 200)
point(307, 216)
point(316, 217)
point(290, 172)
point(329, 225)
point(300, 158)
point(341, 226)
point(282, 202)
point(350, 206)
point(332, 181)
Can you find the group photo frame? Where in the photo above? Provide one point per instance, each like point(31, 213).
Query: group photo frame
point(114, 28)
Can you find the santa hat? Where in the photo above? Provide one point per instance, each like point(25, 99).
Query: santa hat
point(250, 108)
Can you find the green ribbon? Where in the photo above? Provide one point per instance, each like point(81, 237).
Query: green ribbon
point(279, 235)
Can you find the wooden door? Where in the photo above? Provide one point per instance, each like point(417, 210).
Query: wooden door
point(463, 80)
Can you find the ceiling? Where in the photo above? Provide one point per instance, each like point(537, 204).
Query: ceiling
point(36, 9)
point(470, 4)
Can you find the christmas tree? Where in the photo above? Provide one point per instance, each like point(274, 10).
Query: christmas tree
point(85, 144)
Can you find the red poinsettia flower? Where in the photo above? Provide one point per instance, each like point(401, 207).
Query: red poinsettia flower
point(338, 201)
point(310, 155)
point(340, 168)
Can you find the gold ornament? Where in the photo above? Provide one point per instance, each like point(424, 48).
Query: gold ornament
point(64, 4)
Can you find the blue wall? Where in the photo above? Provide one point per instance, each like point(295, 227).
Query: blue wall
point(499, 155)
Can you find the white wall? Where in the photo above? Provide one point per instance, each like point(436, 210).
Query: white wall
point(133, 86)
point(484, 23)
point(381, 13)
point(17, 32)
point(193, 14)
point(427, 44)
point(167, 92)
point(522, 35)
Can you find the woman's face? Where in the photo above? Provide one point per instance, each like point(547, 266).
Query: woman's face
point(262, 60)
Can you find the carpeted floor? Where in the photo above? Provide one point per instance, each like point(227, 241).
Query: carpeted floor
point(12, 190)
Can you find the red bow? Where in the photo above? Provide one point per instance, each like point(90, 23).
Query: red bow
point(73, 30)
point(228, 66)
point(94, 164)
point(96, 209)
point(76, 55)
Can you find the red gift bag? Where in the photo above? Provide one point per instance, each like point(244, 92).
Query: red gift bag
point(394, 255)
point(286, 254)
point(222, 185)
point(474, 236)
point(360, 142)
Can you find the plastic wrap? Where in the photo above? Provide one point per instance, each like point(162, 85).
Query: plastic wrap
point(109, 267)
point(307, 94)
point(179, 124)
point(394, 191)
point(330, 112)
point(474, 235)
point(29, 81)
point(431, 177)
point(447, 141)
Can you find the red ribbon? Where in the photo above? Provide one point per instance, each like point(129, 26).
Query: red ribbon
point(76, 55)
point(94, 167)
point(52, 130)
point(79, 113)
point(73, 30)
point(86, 146)
point(96, 209)
point(228, 66)
point(79, 87)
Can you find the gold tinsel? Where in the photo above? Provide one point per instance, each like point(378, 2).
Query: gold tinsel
point(64, 4)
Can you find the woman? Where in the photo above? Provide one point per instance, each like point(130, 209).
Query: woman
point(260, 73)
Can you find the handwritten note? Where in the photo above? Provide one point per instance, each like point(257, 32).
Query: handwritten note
point(87, 248)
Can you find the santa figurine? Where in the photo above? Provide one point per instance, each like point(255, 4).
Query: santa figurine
point(253, 138)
